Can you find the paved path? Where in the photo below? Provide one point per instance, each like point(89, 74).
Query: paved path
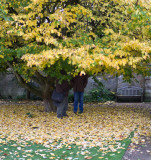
point(141, 152)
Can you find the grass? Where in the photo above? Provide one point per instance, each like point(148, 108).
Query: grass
point(31, 151)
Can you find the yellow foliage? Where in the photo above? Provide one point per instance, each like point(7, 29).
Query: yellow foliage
point(1, 56)
point(118, 26)
point(100, 125)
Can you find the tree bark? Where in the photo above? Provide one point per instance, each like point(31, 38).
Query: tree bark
point(27, 94)
point(137, 2)
point(47, 90)
point(44, 90)
point(48, 105)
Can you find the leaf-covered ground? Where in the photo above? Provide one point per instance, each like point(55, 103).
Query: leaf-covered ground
point(102, 131)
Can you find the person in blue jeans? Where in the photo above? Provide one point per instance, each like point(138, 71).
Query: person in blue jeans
point(79, 83)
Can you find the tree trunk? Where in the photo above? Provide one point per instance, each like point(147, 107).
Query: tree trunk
point(48, 105)
point(44, 89)
point(27, 94)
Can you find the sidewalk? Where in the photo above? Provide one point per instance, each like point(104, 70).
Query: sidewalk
point(140, 152)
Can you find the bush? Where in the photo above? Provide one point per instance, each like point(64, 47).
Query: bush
point(99, 94)
point(71, 98)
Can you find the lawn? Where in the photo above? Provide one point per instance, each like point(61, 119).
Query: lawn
point(103, 131)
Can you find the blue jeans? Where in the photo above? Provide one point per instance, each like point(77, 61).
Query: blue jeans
point(78, 98)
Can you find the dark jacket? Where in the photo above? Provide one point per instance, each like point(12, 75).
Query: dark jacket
point(79, 83)
point(64, 87)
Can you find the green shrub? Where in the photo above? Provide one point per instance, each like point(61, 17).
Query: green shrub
point(99, 94)
point(71, 98)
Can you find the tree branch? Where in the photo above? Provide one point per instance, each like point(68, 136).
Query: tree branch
point(24, 84)
point(11, 9)
point(41, 79)
point(137, 2)
point(50, 80)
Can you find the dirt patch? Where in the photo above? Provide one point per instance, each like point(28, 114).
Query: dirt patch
point(142, 105)
point(25, 102)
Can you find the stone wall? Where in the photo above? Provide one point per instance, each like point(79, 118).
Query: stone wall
point(147, 92)
point(138, 81)
point(10, 88)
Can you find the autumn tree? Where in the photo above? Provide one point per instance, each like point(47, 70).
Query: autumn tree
point(39, 38)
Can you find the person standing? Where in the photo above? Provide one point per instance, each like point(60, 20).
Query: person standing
point(63, 88)
point(79, 83)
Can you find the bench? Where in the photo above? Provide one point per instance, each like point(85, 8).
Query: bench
point(129, 93)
